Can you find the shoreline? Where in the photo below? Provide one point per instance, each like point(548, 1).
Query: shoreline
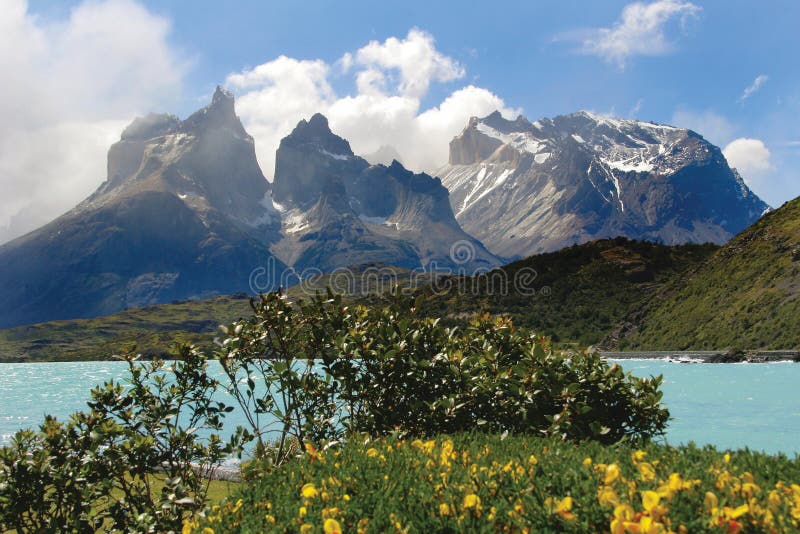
point(706, 356)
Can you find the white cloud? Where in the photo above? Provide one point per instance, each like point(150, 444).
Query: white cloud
point(390, 79)
point(711, 125)
point(753, 87)
point(640, 31)
point(416, 59)
point(71, 86)
point(750, 157)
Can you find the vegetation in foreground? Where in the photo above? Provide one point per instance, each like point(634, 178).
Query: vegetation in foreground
point(746, 296)
point(311, 374)
point(495, 483)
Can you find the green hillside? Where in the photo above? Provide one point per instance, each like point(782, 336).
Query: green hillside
point(746, 296)
point(581, 292)
point(153, 330)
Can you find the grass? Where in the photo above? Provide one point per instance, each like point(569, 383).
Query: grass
point(152, 331)
point(746, 296)
point(493, 483)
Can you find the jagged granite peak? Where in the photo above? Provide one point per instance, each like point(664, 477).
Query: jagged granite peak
point(526, 187)
point(312, 160)
point(207, 160)
point(219, 114)
point(338, 210)
point(184, 213)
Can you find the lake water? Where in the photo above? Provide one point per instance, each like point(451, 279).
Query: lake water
point(727, 405)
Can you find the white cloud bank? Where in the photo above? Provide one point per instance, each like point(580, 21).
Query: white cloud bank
point(391, 79)
point(70, 87)
point(753, 87)
point(640, 31)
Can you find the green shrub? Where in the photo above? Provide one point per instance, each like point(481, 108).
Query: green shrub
point(330, 369)
point(136, 461)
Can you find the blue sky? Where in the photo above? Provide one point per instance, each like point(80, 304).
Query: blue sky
point(669, 61)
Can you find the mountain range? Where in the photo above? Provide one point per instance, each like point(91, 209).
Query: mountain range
point(185, 211)
point(524, 188)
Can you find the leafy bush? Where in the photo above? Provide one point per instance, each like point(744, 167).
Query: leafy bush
point(485, 483)
point(135, 461)
point(331, 369)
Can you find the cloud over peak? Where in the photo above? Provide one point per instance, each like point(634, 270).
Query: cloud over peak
point(390, 80)
point(76, 82)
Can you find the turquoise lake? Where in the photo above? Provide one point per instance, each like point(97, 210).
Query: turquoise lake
point(727, 405)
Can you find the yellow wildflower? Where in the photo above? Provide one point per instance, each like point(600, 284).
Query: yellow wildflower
point(372, 452)
point(587, 462)
point(332, 526)
point(646, 471)
point(270, 519)
point(444, 509)
point(208, 530)
point(648, 525)
point(304, 529)
point(650, 500)
point(612, 474)
point(607, 496)
point(622, 519)
point(301, 512)
point(563, 508)
point(309, 491)
point(471, 501)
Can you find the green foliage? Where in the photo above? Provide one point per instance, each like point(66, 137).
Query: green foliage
point(582, 292)
point(138, 460)
point(277, 350)
point(329, 370)
point(479, 482)
point(746, 296)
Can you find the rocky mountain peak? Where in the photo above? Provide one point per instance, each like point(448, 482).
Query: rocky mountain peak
point(524, 188)
point(220, 114)
point(316, 134)
point(311, 162)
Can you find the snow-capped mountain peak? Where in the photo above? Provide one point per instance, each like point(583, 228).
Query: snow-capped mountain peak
point(525, 187)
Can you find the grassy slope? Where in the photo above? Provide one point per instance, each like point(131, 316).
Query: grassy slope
point(746, 296)
point(152, 330)
point(582, 291)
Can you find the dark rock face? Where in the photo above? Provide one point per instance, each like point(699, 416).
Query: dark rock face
point(524, 188)
point(181, 215)
point(338, 210)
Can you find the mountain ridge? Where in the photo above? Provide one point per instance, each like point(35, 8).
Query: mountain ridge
point(550, 183)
